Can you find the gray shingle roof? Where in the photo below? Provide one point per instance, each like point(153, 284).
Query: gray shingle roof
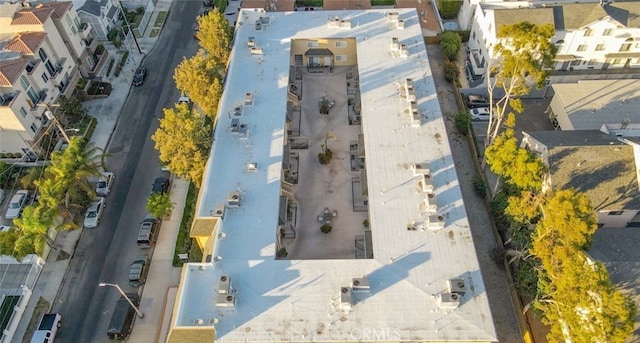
point(594, 163)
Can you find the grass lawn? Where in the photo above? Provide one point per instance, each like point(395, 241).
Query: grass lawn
point(160, 19)
point(184, 243)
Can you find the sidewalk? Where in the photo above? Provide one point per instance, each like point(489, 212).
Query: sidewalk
point(107, 110)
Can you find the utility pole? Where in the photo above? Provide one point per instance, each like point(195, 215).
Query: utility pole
point(124, 15)
point(51, 116)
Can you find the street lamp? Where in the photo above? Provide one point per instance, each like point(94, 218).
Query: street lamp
point(50, 116)
point(104, 284)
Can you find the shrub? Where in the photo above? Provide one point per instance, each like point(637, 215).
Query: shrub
point(282, 253)
point(99, 49)
point(112, 34)
point(449, 8)
point(480, 186)
point(325, 157)
point(463, 122)
point(111, 62)
point(326, 228)
point(451, 71)
point(365, 223)
point(450, 43)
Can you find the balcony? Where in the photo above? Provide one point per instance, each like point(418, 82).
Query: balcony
point(7, 99)
point(84, 29)
point(32, 66)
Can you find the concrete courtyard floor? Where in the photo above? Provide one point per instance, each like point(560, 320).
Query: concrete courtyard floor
point(321, 186)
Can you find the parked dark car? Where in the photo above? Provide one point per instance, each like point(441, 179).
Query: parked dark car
point(160, 185)
point(122, 318)
point(138, 271)
point(475, 101)
point(138, 77)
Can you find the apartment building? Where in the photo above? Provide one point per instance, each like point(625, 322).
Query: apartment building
point(101, 14)
point(45, 50)
point(597, 36)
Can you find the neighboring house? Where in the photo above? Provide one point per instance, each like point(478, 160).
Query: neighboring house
point(588, 35)
point(602, 166)
point(590, 104)
point(41, 49)
point(101, 14)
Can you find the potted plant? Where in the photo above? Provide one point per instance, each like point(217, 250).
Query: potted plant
point(326, 228)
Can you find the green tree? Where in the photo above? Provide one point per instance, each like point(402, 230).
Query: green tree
point(214, 36)
point(183, 140)
point(200, 77)
point(70, 111)
point(5, 174)
point(159, 204)
point(518, 166)
point(29, 180)
point(523, 58)
point(8, 240)
point(33, 226)
point(450, 43)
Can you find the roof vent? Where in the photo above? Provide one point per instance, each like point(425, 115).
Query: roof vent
point(258, 25)
point(360, 284)
point(345, 298)
point(429, 205)
point(411, 95)
point(457, 286)
point(421, 168)
point(235, 125)
point(224, 286)
point(243, 131)
point(415, 225)
point(198, 322)
point(448, 300)
point(408, 84)
point(233, 199)
point(265, 20)
point(225, 300)
point(393, 17)
point(404, 51)
point(425, 183)
point(218, 211)
point(400, 24)
point(345, 24)
point(248, 99)
point(333, 23)
point(436, 222)
point(236, 111)
point(251, 42)
point(256, 50)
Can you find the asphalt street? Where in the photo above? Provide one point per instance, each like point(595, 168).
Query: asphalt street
point(105, 253)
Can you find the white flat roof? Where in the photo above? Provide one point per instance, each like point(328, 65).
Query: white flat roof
point(298, 300)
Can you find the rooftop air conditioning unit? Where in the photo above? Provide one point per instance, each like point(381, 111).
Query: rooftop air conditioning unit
point(393, 17)
point(218, 211)
point(345, 298)
point(248, 99)
point(256, 50)
point(395, 45)
point(236, 111)
point(416, 118)
point(251, 166)
point(411, 95)
point(235, 125)
point(426, 183)
point(233, 199)
point(404, 51)
point(251, 42)
point(333, 23)
point(345, 24)
point(408, 84)
point(457, 286)
point(428, 207)
point(243, 131)
point(224, 286)
point(421, 169)
point(265, 20)
point(360, 284)
point(258, 25)
point(400, 24)
point(225, 300)
point(448, 300)
point(413, 106)
point(436, 222)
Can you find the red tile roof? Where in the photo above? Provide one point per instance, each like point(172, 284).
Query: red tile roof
point(26, 42)
point(60, 8)
point(10, 71)
point(32, 16)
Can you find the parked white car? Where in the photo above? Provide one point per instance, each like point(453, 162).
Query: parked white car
point(480, 113)
point(17, 204)
point(94, 212)
point(103, 186)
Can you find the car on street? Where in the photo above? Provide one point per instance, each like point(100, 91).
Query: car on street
point(17, 204)
point(138, 77)
point(160, 185)
point(103, 186)
point(138, 271)
point(480, 113)
point(94, 212)
point(476, 100)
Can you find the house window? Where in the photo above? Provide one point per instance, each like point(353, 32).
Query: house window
point(592, 62)
point(588, 32)
point(625, 47)
point(312, 44)
point(47, 62)
point(341, 58)
point(341, 44)
point(23, 112)
point(615, 213)
point(33, 127)
point(45, 78)
point(575, 62)
point(582, 47)
point(607, 32)
point(600, 47)
point(31, 93)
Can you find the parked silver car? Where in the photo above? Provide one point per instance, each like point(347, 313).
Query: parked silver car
point(94, 212)
point(17, 204)
point(103, 186)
